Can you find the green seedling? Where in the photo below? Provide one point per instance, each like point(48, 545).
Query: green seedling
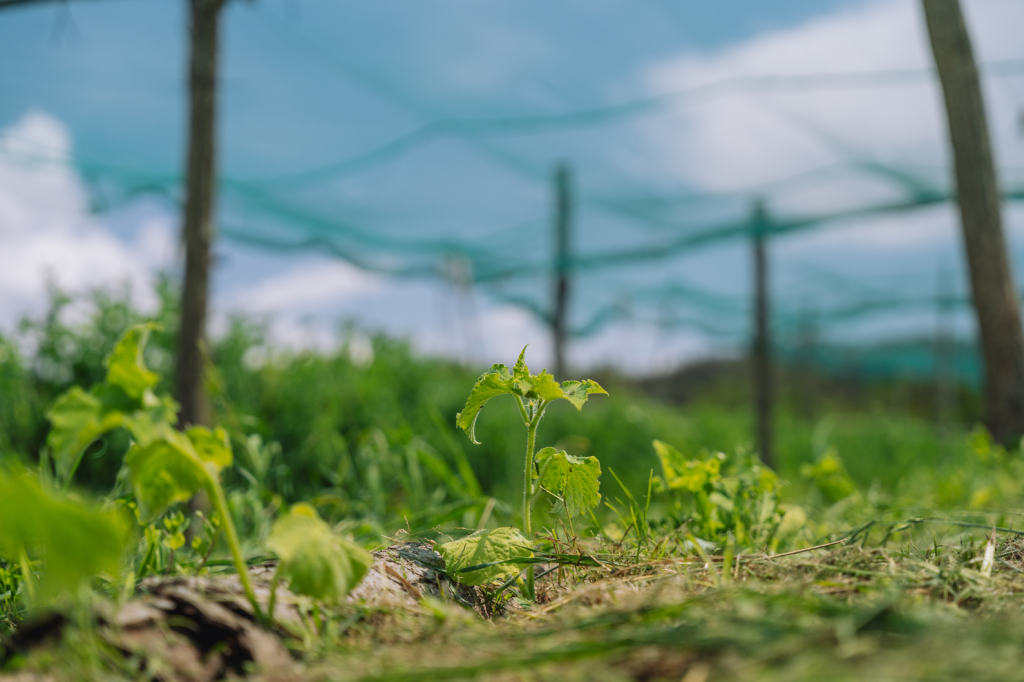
point(573, 481)
point(721, 496)
point(166, 466)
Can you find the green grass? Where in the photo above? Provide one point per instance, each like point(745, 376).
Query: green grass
point(905, 594)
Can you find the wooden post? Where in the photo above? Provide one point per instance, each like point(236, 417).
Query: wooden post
point(944, 373)
point(996, 304)
point(806, 363)
point(761, 359)
point(563, 220)
point(200, 192)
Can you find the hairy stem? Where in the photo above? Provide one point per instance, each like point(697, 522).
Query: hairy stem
point(522, 411)
point(543, 470)
point(531, 438)
point(220, 503)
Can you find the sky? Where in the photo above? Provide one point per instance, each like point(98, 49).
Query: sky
point(696, 110)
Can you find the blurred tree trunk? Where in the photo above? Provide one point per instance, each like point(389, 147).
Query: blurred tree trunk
point(995, 296)
point(200, 191)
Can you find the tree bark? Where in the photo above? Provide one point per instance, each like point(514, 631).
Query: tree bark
point(995, 297)
point(200, 193)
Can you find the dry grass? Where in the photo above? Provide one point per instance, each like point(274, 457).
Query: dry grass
point(920, 611)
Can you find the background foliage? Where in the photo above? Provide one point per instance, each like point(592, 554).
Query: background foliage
point(372, 437)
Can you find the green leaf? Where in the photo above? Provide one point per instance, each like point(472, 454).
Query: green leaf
point(78, 418)
point(154, 421)
point(166, 471)
point(521, 379)
point(683, 474)
point(213, 447)
point(125, 365)
point(176, 541)
point(482, 549)
point(545, 388)
point(576, 392)
point(519, 382)
point(75, 541)
point(492, 383)
point(314, 560)
point(575, 479)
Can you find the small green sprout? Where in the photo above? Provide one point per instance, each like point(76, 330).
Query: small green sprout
point(573, 481)
point(165, 466)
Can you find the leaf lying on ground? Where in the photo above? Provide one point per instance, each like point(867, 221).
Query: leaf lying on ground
point(485, 549)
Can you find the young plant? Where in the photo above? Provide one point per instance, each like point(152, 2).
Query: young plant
point(722, 496)
point(166, 466)
point(572, 480)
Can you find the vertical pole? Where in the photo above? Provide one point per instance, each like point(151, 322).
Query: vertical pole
point(563, 220)
point(996, 303)
point(200, 192)
point(806, 363)
point(943, 353)
point(762, 340)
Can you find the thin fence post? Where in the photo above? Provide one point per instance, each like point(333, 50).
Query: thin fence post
point(806, 362)
point(762, 340)
point(944, 380)
point(563, 225)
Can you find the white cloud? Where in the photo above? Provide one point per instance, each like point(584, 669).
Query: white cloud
point(308, 287)
point(47, 233)
point(46, 229)
point(750, 138)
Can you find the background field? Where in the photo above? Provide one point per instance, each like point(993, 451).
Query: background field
point(906, 493)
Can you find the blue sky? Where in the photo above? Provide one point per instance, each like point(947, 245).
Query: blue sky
point(308, 83)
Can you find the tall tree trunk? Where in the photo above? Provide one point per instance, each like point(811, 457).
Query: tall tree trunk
point(992, 286)
point(200, 192)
